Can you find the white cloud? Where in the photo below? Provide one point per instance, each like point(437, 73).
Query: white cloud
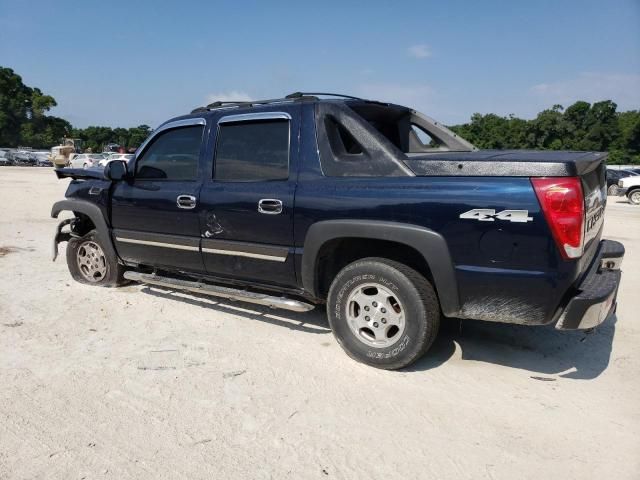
point(416, 96)
point(233, 95)
point(419, 51)
point(624, 89)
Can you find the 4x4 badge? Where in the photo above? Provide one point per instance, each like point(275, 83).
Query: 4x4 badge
point(490, 215)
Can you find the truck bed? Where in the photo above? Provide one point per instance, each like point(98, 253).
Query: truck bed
point(504, 163)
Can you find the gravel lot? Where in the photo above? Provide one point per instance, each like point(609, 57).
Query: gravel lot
point(144, 383)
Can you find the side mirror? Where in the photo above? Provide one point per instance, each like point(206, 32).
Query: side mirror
point(116, 170)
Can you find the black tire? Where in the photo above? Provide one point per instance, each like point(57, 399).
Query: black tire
point(634, 196)
point(112, 271)
point(417, 301)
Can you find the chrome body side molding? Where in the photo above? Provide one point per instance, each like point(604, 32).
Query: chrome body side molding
point(156, 244)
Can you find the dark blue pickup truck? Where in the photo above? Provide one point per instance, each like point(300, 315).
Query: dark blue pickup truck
point(377, 211)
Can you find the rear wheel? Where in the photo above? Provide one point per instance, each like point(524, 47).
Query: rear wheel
point(634, 197)
point(383, 313)
point(89, 262)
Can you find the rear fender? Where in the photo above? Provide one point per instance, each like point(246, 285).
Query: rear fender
point(431, 245)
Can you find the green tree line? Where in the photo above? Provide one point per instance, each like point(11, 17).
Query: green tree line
point(22, 114)
point(96, 138)
point(581, 126)
point(24, 122)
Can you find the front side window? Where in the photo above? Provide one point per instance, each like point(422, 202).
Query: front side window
point(251, 151)
point(173, 155)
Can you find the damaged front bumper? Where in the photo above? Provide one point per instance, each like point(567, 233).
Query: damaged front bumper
point(596, 297)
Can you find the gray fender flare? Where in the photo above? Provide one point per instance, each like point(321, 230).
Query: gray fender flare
point(94, 213)
point(431, 245)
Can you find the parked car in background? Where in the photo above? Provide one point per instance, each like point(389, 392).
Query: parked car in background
point(116, 156)
point(4, 160)
point(42, 159)
point(8, 154)
point(24, 158)
point(86, 160)
point(111, 148)
point(613, 177)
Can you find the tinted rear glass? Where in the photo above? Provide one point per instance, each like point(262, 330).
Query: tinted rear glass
point(252, 151)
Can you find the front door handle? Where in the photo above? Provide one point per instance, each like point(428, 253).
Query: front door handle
point(270, 206)
point(186, 201)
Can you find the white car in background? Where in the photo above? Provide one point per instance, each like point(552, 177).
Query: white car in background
point(116, 156)
point(86, 160)
point(630, 187)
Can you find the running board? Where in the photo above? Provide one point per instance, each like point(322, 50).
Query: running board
point(217, 291)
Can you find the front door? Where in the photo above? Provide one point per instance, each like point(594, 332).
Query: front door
point(247, 201)
point(155, 215)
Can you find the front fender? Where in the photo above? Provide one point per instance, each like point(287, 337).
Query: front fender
point(431, 245)
point(93, 212)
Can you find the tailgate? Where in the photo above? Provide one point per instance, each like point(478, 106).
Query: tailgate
point(594, 187)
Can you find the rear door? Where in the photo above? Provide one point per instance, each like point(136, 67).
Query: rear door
point(155, 216)
point(247, 199)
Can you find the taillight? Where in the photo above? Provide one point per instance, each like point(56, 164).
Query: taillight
point(562, 202)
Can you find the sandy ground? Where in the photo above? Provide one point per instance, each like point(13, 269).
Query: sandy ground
point(143, 383)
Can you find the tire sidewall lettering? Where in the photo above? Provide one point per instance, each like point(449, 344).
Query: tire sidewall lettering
point(394, 352)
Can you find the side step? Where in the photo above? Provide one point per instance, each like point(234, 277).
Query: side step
point(217, 291)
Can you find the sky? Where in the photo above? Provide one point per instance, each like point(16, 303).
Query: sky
point(126, 63)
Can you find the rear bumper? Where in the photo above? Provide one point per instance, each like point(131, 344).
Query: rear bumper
point(595, 299)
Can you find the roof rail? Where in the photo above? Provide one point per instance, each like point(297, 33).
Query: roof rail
point(221, 103)
point(238, 103)
point(295, 95)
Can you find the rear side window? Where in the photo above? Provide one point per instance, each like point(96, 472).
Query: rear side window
point(340, 140)
point(252, 151)
point(173, 155)
point(349, 146)
point(421, 138)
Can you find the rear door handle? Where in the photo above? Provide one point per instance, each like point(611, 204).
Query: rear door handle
point(186, 201)
point(270, 206)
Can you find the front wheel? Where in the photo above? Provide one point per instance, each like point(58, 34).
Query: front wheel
point(634, 197)
point(383, 313)
point(612, 190)
point(90, 263)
